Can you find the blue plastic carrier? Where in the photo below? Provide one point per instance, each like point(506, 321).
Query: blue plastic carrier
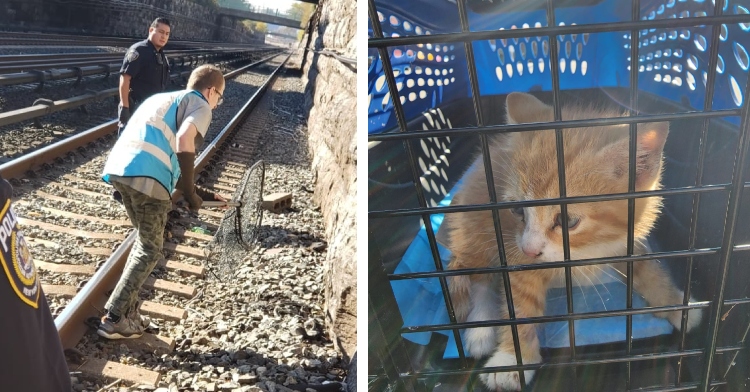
point(434, 92)
point(672, 63)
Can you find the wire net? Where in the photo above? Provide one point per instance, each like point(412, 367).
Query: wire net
point(238, 230)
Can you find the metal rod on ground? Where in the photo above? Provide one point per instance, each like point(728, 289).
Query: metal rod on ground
point(222, 204)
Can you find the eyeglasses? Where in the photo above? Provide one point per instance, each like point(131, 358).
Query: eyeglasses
point(221, 97)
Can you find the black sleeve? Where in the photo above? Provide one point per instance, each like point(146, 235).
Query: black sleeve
point(6, 191)
point(133, 62)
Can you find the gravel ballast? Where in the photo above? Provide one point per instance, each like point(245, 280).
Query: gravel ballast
point(263, 329)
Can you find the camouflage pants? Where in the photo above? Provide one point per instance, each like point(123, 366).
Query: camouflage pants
point(149, 217)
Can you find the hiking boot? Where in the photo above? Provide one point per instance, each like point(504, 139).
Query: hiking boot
point(126, 328)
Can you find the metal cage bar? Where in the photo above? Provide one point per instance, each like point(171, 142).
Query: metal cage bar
point(610, 360)
point(542, 202)
point(380, 42)
point(487, 161)
point(392, 87)
point(508, 128)
point(635, 14)
point(707, 107)
point(560, 150)
point(727, 243)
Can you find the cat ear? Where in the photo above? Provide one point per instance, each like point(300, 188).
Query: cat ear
point(649, 149)
point(526, 108)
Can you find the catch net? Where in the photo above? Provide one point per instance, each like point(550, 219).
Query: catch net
point(238, 230)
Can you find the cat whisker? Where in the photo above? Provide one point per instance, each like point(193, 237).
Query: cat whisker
point(597, 291)
point(602, 283)
point(611, 269)
point(582, 293)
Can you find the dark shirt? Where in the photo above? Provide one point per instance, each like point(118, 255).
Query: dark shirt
point(148, 68)
point(32, 355)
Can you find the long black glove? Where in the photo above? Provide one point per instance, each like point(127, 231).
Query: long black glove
point(186, 183)
point(205, 194)
point(123, 114)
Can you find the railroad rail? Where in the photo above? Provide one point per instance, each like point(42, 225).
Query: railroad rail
point(47, 107)
point(76, 197)
point(16, 70)
point(9, 39)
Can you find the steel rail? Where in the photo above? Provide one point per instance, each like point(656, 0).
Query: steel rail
point(34, 38)
point(63, 56)
point(71, 321)
point(80, 71)
point(41, 110)
point(17, 167)
point(78, 60)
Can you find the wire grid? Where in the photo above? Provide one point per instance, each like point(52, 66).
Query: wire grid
point(239, 228)
point(393, 356)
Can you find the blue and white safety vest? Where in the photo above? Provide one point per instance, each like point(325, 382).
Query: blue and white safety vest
point(146, 147)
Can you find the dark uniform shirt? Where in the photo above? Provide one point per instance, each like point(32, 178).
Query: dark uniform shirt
point(32, 355)
point(149, 71)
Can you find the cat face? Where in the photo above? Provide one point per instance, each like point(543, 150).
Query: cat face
point(596, 162)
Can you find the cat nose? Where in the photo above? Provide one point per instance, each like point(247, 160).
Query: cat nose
point(532, 252)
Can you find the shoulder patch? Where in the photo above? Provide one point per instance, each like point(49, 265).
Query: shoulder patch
point(16, 258)
point(132, 55)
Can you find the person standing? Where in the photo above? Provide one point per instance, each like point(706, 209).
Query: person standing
point(144, 71)
point(32, 355)
point(154, 156)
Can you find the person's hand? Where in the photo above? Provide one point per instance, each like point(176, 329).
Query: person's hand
point(194, 201)
point(123, 114)
point(208, 195)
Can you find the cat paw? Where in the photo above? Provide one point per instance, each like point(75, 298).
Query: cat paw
point(507, 381)
point(480, 342)
point(695, 316)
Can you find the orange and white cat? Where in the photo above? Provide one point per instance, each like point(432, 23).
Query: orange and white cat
point(524, 167)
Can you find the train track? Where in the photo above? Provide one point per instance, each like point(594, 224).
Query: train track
point(91, 104)
point(15, 70)
point(11, 38)
point(80, 238)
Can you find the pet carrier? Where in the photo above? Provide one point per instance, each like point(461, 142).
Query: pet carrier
point(439, 73)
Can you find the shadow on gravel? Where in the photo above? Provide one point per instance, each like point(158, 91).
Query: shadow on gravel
point(270, 236)
point(197, 353)
point(254, 368)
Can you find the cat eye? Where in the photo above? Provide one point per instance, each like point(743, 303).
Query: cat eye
point(572, 221)
point(518, 211)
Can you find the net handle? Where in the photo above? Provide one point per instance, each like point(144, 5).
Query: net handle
point(221, 204)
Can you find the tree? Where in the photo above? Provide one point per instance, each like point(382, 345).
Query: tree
point(260, 27)
point(302, 11)
point(248, 25)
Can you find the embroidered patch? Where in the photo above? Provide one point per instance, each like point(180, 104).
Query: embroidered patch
point(16, 258)
point(132, 55)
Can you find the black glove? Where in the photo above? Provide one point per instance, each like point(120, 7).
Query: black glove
point(204, 194)
point(186, 183)
point(123, 114)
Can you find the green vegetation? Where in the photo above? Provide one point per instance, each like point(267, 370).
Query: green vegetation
point(260, 27)
point(302, 11)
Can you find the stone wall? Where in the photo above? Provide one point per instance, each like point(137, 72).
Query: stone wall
point(124, 18)
point(331, 98)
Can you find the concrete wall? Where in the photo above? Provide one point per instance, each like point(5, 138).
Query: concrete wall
point(126, 18)
point(331, 98)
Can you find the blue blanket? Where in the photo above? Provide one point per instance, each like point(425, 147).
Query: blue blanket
point(421, 303)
